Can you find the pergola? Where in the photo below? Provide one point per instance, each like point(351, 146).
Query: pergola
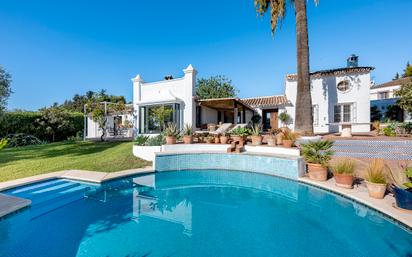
point(234, 105)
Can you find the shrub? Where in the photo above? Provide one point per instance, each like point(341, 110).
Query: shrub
point(345, 166)
point(25, 122)
point(318, 152)
point(241, 132)
point(284, 117)
point(389, 131)
point(141, 140)
point(3, 143)
point(156, 141)
point(402, 176)
point(376, 172)
point(20, 139)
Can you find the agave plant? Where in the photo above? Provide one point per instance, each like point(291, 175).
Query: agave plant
point(256, 130)
point(188, 130)
point(318, 152)
point(171, 130)
point(402, 176)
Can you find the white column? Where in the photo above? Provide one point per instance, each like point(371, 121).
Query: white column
point(189, 112)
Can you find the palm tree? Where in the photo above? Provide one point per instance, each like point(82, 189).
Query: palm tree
point(303, 108)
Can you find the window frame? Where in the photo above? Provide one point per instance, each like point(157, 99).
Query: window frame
point(339, 109)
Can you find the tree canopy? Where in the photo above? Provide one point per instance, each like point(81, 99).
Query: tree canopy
point(215, 87)
point(407, 72)
point(76, 104)
point(405, 97)
point(5, 88)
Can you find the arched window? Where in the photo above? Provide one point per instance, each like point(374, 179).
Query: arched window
point(343, 86)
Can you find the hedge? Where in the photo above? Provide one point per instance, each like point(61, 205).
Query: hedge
point(25, 122)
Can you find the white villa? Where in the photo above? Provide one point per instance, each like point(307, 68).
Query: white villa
point(383, 95)
point(340, 98)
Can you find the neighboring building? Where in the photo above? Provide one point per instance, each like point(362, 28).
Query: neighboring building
point(383, 98)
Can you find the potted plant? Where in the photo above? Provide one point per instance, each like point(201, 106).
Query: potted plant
point(288, 138)
point(256, 135)
point(343, 171)
point(224, 138)
point(217, 139)
point(239, 134)
point(284, 117)
point(376, 179)
point(210, 139)
point(402, 187)
point(271, 138)
point(187, 134)
point(171, 133)
point(317, 154)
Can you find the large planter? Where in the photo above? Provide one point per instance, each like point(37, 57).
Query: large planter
point(238, 139)
point(343, 180)
point(317, 172)
point(287, 143)
point(403, 198)
point(256, 140)
point(224, 139)
point(376, 190)
point(271, 141)
point(187, 139)
point(217, 140)
point(279, 138)
point(170, 140)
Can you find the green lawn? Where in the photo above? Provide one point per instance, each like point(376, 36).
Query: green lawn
point(101, 156)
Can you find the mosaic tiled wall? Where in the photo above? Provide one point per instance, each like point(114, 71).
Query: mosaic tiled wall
point(284, 167)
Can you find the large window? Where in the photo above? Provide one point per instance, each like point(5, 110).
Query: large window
point(383, 95)
point(342, 113)
point(154, 118)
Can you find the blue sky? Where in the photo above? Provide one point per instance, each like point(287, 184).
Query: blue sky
point(54, 50)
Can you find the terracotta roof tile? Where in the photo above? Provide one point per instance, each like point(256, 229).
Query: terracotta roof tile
point(395, 82)
point(263, 101)
point(335, 72)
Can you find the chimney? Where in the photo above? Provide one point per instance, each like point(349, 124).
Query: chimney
point(352, 61)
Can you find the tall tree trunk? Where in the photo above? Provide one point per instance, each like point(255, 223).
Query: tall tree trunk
point(303, 108)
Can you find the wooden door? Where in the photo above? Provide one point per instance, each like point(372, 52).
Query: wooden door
point(274, 120)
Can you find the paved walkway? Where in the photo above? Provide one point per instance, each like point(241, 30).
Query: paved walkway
point(390, 150)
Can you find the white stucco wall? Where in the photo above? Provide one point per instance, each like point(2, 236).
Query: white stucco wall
point(374, 92)
point(179, 90)
point(325, 95)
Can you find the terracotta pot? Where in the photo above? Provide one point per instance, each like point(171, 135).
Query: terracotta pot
point(287, 143)
point(376, 190)
point(317, 172)
point(238, 139)
point(256, 140)
point(170, 140)
point(187, 139)
point(217, 140)
point(279, 138)
point(343, 180)
point(224, 139)
point(271, 141)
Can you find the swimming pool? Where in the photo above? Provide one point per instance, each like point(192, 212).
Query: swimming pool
point(196, 213)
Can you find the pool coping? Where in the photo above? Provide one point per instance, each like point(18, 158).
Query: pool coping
point(359, 193)
point(11, 204)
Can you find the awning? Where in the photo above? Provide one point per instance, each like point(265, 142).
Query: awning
point(224, 103)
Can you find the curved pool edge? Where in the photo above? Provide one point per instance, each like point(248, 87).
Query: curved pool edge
point(360, 195)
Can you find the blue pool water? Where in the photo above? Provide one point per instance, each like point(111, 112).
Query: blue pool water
point(196, 213)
